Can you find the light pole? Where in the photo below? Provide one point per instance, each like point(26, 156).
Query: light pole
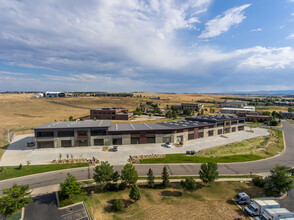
point(92, 192)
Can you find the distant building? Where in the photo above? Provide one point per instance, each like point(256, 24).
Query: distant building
point(156, 98)
point(39, 95)
point(55, 94)
point(110, 114)
point(232, 104)
point(235, 110)
point(194, 107)
point(250, 116)
point(287, 114)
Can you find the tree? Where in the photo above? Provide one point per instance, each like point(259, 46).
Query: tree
point(290, 109)
point(15, 198)
point(274, 123)
point(70, 118)
point(103, 174)
point(279, 181)
point(189, 184)
point(187, 112)
point(150, 178)
point(129, 174)
point(208, 172)
point(70, 186)
point(165, 177)
point(135, 193)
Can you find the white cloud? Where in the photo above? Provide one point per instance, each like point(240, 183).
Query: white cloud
point(256, 30)
point(223, 23)
point(292, 14)
point(291, 36)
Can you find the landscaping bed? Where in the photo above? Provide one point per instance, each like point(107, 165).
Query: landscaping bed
point(15, 171)
point(212, 202)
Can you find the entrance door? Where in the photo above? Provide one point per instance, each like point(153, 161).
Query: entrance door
point(117, 141)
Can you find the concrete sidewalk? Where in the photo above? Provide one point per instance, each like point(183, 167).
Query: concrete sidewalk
point(18, 153)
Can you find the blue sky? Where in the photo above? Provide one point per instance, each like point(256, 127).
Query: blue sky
point(147, 45)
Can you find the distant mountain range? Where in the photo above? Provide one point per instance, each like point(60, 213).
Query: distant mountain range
point(269, 92)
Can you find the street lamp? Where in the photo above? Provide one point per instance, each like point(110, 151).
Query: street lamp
point(92, 193)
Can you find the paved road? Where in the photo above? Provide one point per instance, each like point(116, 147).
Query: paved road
point(288, 202)
point(286, 158)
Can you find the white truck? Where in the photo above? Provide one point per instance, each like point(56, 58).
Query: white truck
point(276, 214)
point(257, 207)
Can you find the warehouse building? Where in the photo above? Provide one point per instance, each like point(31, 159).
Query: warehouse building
point(99, 133)
point(193, 107)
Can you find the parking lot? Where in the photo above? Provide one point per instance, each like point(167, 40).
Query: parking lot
point(18, 152)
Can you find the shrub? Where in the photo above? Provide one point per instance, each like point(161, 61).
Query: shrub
point(258, 181)
point(189, 184)
point(135, 193)
point(20, 167)
point(122, 186)
point(118, 205)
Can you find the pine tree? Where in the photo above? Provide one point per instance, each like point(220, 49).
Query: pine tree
point(150, 178)
point(165, 177)
point(135, 193)
point(208, 172)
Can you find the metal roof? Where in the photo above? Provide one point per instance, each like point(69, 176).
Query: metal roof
point(214, 118)
point(75, 124)
point(137, 127)
point(185, 124)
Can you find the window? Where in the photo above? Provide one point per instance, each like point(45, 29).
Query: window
point(45, 134)
point(180, 131)
point(219, 131)
point(66, 143)
point(82, 133)
point(45, 144)
point(234, 122)
point(227, 123)
point(98, 132)
point(66, 133)
point(241, 121)
point(233, 129)
point(210, 133)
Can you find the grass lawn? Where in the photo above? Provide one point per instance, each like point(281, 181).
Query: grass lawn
point(14, 171)
point(212, 202)
point(183, 158)
point(250, 150)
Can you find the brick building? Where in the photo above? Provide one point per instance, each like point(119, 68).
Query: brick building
point(110, 114)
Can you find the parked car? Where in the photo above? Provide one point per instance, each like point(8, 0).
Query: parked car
point(257, 207)
point(242, 198)
point(114, 148)
point(31, 144)
point(168, 145)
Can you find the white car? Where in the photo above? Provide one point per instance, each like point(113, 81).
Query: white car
point(168, 145)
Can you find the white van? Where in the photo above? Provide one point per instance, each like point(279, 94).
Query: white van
point(276, 214)
point(257, 207)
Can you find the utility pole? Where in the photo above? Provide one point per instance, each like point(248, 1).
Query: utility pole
point(92, 192)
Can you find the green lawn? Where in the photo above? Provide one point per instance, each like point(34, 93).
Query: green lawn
point(183, 158)
point(14, 171)
point(278, 132)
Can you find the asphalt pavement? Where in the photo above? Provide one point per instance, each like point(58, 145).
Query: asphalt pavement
point(256, 167)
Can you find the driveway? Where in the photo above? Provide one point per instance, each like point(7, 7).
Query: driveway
point(18, 153)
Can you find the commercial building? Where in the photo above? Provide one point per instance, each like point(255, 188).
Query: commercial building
point(54, 94)
point(110, 114)
point(287, 114)
point(194, 107)
point(236, 110)
point(232, 104)
point(250, 116)
point(99, 133)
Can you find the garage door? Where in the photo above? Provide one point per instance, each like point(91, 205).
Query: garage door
point(98, 142)
point(66, 143)
point(117, 141)
point(150, 140)
point(190, 136)
point(166, 139)
point(45, 144)
point(135, 140)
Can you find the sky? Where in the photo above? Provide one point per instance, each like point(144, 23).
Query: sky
point(193, 46)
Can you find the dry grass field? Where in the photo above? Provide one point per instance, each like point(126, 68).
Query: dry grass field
point(212, 202)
